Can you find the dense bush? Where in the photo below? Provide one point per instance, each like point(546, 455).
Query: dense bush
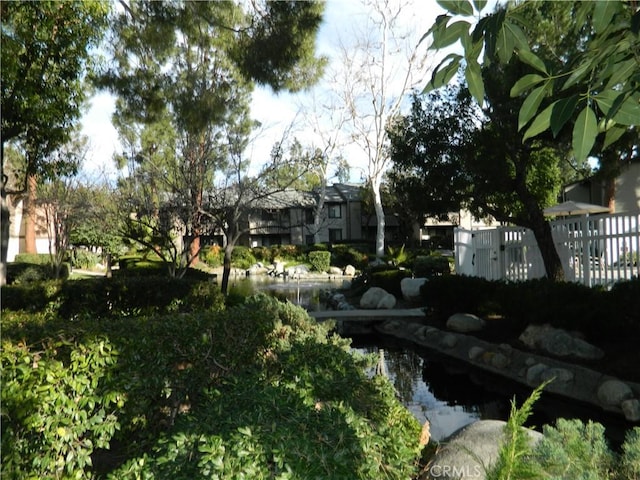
point(242, 257)
point(563, 304)
point(350, 254)
point(33, 268)
point(84, 259)
point(255, 391)
point(320, 260)
point(102, 296)
point(430, 266)
point(212, 256)
point(569, 450)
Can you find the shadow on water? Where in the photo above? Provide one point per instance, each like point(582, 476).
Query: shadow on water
point(451, 394)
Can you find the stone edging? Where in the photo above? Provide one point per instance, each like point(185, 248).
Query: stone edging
point(570, 380)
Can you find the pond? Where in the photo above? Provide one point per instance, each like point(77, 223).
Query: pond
point(450, 394)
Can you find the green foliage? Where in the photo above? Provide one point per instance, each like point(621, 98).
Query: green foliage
point(388, 278)
point(398, 256)
point(33, 258)
point(212, 256)
point(29, 268)
point(600, 65)
point(242, 257)
point(572, 450)
point(562, 304)
point(104, 297)
point(320, 260)
point(513, 462)
point(430, 266)
point(56, 407)
point(347, 254)
point(84, 259)
point(259, 390)
point(630, 461)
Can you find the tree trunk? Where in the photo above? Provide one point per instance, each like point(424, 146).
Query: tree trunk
point(380, 224)
point(4, 231)
point(610, 194)
point(552, 263)
point(30, 225)
point(194, 250)
point(226, 269)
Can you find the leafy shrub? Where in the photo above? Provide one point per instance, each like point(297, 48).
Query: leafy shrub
point(242, 257)
point(430, 266)
point(213, 256)
point(320, 260)
point(343, 255)
point(84, 259)
point(33, 258)
point(389, 279)
point(570, 450)
point(116, 296)
point(56, 409)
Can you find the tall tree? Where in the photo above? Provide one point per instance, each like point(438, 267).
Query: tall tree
point(46, 52)
point(193, 63)
point(376, 72)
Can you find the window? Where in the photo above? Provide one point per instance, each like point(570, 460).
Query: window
point(335, 210)
point(335, 235)
point(308, 216)
point(309, 239)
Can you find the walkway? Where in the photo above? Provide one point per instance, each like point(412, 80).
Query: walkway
point(368, 315)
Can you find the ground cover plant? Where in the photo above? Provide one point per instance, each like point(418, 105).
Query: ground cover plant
point(258, 390)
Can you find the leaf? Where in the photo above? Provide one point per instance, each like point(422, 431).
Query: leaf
point(473, 75)
point(584, 133)
point(480, 4)
point(541, 123)
point(612, 135)
point(629, 111)
point(459, 7)
point(603, 14)
point(531, 59)
point(505, 44)
point(443, 74)
point(530, 105)
point(450, 35)
point(578, 74)
point(519, 38)
point(439, 24)
point(525, 83)
point(562, 111)
point(622, 72)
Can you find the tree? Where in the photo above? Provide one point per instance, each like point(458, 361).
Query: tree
point(192, 64)
point(376, 73)
point(458, 157)
point(46, 52)
point(598, 86)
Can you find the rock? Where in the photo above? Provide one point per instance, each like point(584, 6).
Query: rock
point(631, 409)
point(387, 302)
point(349, 270)
point(411, 288)
point(559, 375)
point(449, 341)
point(475, 352)
point(614, 392)
point(559, 342)
point(335, 271)
point(465, 322)
point(534, 372)
point(469, 451)
point(346, 284)
point(500, 360)
point(371, 297)
point(377, 298)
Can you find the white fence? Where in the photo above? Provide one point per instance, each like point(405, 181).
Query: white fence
point(600, 249)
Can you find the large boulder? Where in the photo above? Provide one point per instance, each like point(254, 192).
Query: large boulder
point(559, 342)
point(613, 392)
point(377, 298)
point(410, 288)
point(465, 323)
point(470, 451)
point(349, 270)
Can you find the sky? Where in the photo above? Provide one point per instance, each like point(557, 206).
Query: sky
point(275, 112)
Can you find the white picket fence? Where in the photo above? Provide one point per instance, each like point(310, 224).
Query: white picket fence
point(594, 250)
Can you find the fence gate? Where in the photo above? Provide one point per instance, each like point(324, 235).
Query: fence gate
point(593, 250)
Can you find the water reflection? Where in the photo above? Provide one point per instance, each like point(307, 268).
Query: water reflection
point(435, 392)
point(303, 292)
